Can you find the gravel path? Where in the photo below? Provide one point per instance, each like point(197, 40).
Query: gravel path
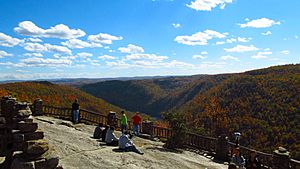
point(77, 149)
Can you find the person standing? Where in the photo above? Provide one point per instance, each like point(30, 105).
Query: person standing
point(124, 122)
point(136, 119)
point(75, 111)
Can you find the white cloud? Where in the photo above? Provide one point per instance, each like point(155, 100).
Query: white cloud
point(35, 61)
point(199, 38)
point(220, 43)
point(39, 48)
point(118, 63)
point(8, 41)
point(285, 52)
point(59, 49)
point(106, 57)
point(79, 44)
point(241, 48)
point(176, 25)
point(84, 55)
point(35, 47)
point(103, 38)
point(267, 33)
point(4, 54)
point(260, 23)
point(33, 40)
point(262, 55)
point(233, 40)
point(207, 5)
point(33, 54)
point(142, 56)
point(60, 31)
point(239, 39)
point(204, 53)
point(148, 64)
point(296, 37)
point(228, 57)
point(199, 57)
point(131, 49)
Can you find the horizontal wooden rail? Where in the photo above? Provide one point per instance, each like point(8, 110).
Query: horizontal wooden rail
point(201, 142)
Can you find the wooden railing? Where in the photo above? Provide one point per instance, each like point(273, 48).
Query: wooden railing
point(86, 116)
point(161, 132)
point(201, 142)
point(192, 140)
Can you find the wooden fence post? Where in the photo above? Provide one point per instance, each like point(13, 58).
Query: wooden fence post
point(281, 159)
point(147, 127)
point(222, 148)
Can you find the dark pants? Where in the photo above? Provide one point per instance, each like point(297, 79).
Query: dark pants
point(123, 128)
point(113, 143)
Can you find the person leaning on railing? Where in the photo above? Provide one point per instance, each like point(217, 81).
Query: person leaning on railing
point(75, 111)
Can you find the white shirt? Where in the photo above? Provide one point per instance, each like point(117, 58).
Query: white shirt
point(124, 142)
point(110, 136)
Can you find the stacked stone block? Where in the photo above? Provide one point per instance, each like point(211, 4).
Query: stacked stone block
point(29, 149)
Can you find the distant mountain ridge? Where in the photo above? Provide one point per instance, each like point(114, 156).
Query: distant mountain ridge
point(152, 96)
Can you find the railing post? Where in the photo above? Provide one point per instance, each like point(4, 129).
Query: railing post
point(147, 127)
point(281, 159)
point(221, 148)
point(38, 107)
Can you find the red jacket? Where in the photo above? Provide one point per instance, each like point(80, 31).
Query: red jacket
point(136, 119)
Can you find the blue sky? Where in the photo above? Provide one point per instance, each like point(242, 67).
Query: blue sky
point(117, 38)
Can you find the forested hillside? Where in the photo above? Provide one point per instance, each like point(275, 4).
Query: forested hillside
point(55, 95)
point(264, 104)
point(152, 96)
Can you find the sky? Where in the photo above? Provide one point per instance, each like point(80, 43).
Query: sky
point(48, 39)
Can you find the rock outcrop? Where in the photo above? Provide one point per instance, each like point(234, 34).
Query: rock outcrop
point(22, 143)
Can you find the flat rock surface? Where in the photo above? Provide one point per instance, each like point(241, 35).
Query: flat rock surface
point(77, 149)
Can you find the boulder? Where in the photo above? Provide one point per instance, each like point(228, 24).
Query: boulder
point(27, 127)
point(19, 163)
point(40, 164)
point(18, 137)
point(24, 113)
point(51, 157)
point(39, 134)
point(36, 147)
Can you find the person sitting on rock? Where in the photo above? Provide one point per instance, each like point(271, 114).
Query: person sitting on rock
point(110, 138)
point(104, 132)
point(238, 159)
point(98, 131)
point(253, 162)
point(126, 144)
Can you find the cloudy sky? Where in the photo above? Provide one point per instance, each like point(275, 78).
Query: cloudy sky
point(117, 38)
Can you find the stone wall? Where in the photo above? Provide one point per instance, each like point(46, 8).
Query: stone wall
point(22, 143)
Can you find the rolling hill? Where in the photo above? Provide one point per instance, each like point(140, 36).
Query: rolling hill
point(55, 95)
point(152, 96)
point(263, 104)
